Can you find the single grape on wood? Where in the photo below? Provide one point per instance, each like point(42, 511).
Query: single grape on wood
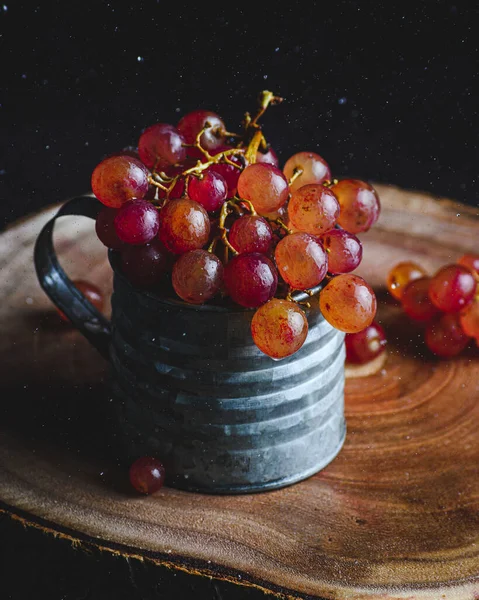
point(147, 475)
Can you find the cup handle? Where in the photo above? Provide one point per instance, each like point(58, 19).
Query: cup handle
point(60, 289)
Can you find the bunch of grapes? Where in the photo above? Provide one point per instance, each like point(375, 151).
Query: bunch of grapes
point(446, 303)
point(210, 213)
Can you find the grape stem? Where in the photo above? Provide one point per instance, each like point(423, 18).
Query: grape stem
point(297, 171)
point(328, 183)
point(280, 223)
point(265, 99)
point(211, 159)
point(156, 183)
point(225, 211)
point(236, 201)
point(253, 146)
point(304, 303)
point(300, 296)
point(251, 124)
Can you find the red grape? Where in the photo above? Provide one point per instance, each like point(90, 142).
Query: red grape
point(250, 279)
point(469, 319)
point(471, 261)
point(301, 260)
point(127, 151)
point(118, 179)
point(151, 193)
point(161, 146)
point(363, 346)
point(348, 303)
point(445, 337)
point(137, 222)
point(251, 233)
point(91, 292)
point(313, 208)
point(279, 328)
point(178, 189)
point(147, 475)
point(209, 190)
point(267, 157)
point(197, 276)
point(264, 186)
point(192, 123)
point(105, 228)
point(144, 266)
point(401, 276)
point(416, 302)
point(229, 173)
point(281, 213)
point(452, 288)
point(315, 169)
point(184, 225)
point(359, 205)
point(344, 249)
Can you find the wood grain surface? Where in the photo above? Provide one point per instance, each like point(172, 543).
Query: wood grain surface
point(396, 515)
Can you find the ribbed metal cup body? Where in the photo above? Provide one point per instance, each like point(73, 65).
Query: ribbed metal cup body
point(191, 388)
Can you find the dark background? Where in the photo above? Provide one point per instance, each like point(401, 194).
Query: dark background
point(383, 91)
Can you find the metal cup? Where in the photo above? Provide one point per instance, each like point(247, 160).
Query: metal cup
point(190, 387)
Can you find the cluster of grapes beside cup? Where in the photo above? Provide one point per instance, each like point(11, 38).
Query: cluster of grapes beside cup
point(210, 213)
point(446, 303)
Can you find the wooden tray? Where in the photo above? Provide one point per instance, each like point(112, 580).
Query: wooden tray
point(396, 515)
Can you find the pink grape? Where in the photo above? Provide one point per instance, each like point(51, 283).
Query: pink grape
point(315, 169)
point(348, 303)
point(161, 146)
point(118, 179)
point(344, 250)
point(313, 209)
point(359, 204)
point(184, 225)
point(302, 261)
point(264, 186)
point(269, 157)
point(279, 328)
